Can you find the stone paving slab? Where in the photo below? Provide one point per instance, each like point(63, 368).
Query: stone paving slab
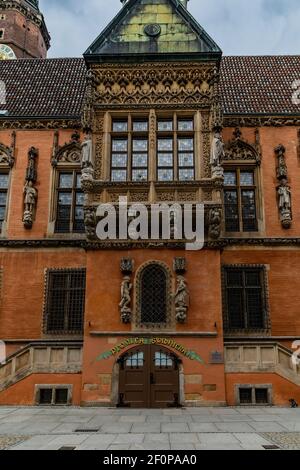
point(177, 429)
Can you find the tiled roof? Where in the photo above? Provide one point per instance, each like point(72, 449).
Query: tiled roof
point(43, 87)
point(259, 84)
point(55, 87)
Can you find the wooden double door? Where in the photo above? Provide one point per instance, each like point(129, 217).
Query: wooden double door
point(149, 378)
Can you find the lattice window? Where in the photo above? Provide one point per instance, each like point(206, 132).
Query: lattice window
point(70, 198)
point(240, 200)
point(153, 296)
point(129, 150)
point(175, 149)
point(65, 299)
point(245, 299)
point(163, 360)
point(4, 184)
point(135, 360)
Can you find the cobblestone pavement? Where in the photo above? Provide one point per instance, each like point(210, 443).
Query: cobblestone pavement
point(44, 428)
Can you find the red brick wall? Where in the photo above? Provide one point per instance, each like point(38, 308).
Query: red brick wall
point(22, 35)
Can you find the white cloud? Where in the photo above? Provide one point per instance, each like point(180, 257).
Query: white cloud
point(238, 26)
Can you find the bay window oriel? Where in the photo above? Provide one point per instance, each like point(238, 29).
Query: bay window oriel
point(171, 137)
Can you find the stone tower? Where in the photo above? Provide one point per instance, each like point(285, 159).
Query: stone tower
point(23, 32)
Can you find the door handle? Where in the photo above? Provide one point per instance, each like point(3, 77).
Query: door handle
point(152, 381)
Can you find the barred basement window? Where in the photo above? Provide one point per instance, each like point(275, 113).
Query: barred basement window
point(69, 212)
point(154, 294)
point(64, 309)
point(240, 200)
point(245, 300)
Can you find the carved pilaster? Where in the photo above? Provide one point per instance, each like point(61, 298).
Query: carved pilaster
point(206, 169)
point(126, 266)
point(283, 189)
point(99, 148)
point(30, 192)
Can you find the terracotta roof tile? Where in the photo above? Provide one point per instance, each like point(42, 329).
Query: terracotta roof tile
point(259, 84)
point(43, 87)
point(55, 87)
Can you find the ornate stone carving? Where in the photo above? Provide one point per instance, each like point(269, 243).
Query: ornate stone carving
point(40, 124)
point(139, 196)
point(182, 300)
point(68, 153)
point(215, 223)
point(283, 190)
point(267, 121)
point(154, 85)
point(126, 266)
point(282, 171)
point(186, 196)
point(179, 265)
point(240, 150)
point(87, 172)
point(165, 196)
point(99, 147)
point(206, 167)
point(90, 221)
point(30, 192)
point(125, 304)
point(88, 110)
point(284, 203)
point(217, 155)
point(7, 154)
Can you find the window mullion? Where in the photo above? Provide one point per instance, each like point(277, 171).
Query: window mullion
point(246, 320)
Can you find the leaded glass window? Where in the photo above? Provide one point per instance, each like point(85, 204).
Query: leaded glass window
point(240, 200)
point(70, 199)
point(4, 182)
point(175, 149)
point(129, 150)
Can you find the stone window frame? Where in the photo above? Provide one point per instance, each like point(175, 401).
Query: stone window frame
point(153, 116)
point(129, 135)
point(6, 166)
point(62, 334)
point(53, 387)
point(170, 323)
point(242, 155)
point(176, 134)
point(266, 302)
point(253, 387)
point(62, 163)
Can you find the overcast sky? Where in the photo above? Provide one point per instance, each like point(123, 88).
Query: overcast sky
point(242, 27)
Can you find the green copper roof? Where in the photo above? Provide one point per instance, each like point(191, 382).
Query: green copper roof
point(33, 3)
point(152, 28)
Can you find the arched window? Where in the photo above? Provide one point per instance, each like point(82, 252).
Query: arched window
point(153, 282)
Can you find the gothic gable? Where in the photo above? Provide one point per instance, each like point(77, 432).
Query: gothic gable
point(152, 28)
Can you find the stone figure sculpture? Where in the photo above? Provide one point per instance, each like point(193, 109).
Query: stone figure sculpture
point(182, 300)
point(124, 305)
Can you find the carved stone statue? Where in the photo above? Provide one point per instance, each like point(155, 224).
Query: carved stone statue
point(217, 155)
point(87, 153)
point(124, 305)
point(30, 196)
point(215, 221)
point(284, 203)
point(90, 222)
point(182, 300)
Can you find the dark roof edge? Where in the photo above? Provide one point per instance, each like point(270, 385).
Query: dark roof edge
point(133, 58)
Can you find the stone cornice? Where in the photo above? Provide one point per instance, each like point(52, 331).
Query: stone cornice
point(126, 245)
point(239, 120)
point(40, 123)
